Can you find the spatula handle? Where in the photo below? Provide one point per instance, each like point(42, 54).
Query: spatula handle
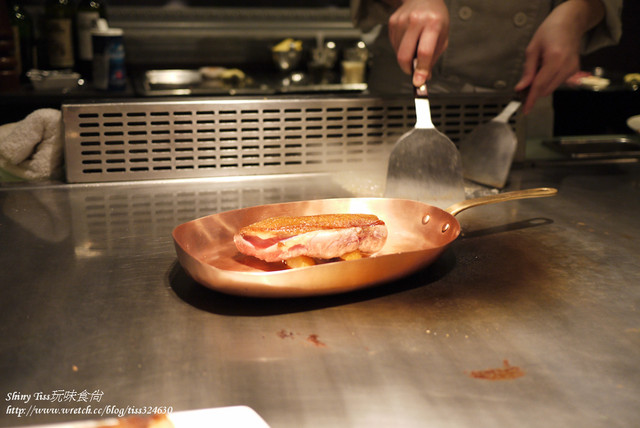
point(512, 107)
point(420, 91)
point(522, 94)
point(423, 108)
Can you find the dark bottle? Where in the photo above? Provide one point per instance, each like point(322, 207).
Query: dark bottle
point(59, 17)
point(8, 62)
point(87, 15)
point(24, 37)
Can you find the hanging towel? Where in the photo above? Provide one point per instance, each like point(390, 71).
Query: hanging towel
point(32, 148)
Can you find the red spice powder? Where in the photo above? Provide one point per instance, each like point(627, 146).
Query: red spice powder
point(507, 372)
point(283, 334)
point(313, 338)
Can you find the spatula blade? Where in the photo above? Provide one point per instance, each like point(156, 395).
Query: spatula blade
point(487, 153)
point(425, 166)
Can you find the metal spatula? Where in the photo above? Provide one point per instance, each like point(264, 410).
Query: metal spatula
point(424, 164)
point(487, 152)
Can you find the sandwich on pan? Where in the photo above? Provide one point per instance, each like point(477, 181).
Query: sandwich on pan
point(307, 240)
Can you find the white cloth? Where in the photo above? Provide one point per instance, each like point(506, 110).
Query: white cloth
point(31, 149)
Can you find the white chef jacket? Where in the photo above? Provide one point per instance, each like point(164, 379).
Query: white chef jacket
point(487, 38)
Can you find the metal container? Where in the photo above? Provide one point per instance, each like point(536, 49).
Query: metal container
point(108, 57)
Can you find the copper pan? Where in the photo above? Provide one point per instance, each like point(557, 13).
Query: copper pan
point(418, 234)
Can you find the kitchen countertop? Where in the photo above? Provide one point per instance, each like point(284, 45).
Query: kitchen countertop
point(541, 296)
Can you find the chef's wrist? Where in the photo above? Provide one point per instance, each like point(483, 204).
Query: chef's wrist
point(586, 14)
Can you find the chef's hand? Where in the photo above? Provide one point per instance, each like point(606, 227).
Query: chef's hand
point(419, 29)
point(553, 54)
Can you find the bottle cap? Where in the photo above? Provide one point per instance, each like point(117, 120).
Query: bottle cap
point(102, 29)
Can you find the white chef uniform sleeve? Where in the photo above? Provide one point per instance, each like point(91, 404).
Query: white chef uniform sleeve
point(608, 31)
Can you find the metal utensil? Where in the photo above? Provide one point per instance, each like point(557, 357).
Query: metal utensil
point(418, 234)
point(424, 164)
point(177, 77)
point(487, 152)
point(287, 54)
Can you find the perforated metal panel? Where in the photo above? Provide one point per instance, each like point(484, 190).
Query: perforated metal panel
point(230, 137)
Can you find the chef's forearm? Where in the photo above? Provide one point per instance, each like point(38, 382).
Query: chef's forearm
point(597, 21)
point(585, 14)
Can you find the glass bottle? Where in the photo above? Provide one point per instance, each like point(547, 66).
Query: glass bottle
point(59, 16)
point(24, 37)
point(87, 15)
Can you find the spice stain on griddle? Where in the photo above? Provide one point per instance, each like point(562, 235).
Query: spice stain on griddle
point(507, 372)
point(312, 338)
point(284, 334)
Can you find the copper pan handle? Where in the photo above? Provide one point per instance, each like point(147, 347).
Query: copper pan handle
point(539, 192)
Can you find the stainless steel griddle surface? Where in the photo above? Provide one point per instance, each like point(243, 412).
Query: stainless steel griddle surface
point(539, 296)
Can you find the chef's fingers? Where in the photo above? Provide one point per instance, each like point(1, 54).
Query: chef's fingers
point(419, 30)
point(530, 69)
point(545, 82)
point(406, 51)
point(555, 68)
point(530, 101)
point(426, 56)
point(411, 40)
point(542, 85)
point(540, 74)
point(396, 30)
